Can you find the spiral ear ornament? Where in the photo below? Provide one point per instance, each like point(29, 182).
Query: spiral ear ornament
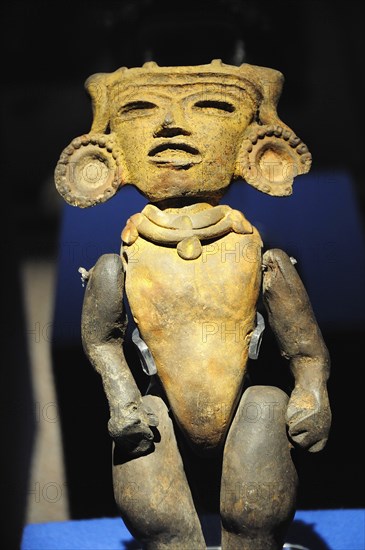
point(89, 170)
point(271, 157)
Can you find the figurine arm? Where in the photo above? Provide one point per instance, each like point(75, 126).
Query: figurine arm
point(103, 327)
point(300, 340)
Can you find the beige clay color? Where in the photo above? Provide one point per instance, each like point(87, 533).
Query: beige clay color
point(229, 124)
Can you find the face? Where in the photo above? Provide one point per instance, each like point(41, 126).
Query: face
point(181, 141)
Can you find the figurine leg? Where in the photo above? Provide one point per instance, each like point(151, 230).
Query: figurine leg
point(259, 480)
point(153, 494)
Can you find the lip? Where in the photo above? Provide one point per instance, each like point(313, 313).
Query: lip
point(175, 153)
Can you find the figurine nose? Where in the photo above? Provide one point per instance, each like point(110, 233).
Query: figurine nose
point(173, 124)
point(168, 120)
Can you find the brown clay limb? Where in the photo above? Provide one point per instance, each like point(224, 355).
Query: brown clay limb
point(103, 326)
point(291, 317)
point(152, 491)
point(259, 480)
point(300, 340)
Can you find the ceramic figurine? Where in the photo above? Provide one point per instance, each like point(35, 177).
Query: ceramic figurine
point(192, 271)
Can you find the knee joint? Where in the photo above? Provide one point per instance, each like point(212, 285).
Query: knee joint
point(263, 404)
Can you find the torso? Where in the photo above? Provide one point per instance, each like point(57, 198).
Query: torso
point(196, 317)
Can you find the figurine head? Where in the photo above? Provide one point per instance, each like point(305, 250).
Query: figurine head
point(182, 134)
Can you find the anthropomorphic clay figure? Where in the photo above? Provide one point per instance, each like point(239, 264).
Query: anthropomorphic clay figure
point(192, 271)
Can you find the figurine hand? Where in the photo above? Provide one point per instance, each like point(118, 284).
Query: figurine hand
point(130, 428)
point(309, 418)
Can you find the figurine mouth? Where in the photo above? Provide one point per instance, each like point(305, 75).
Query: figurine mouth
point(175, 154)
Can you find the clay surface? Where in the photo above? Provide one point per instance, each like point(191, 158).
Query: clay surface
point(193, 271)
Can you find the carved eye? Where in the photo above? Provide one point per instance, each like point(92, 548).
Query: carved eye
point(216, 105)
point(136, 106)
